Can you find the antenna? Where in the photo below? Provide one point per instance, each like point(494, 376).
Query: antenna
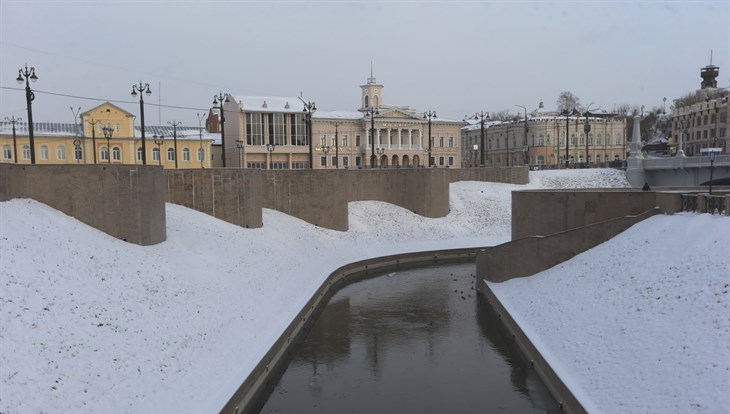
point(710, 57)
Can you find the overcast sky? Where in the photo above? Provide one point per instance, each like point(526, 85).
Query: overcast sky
point(453, 57)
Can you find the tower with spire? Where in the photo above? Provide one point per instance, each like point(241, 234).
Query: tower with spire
point(372, 93)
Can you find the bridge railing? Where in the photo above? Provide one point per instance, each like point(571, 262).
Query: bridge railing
point(684, 162)
point(707, 203)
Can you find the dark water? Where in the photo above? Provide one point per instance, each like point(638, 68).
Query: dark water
point(411, 342)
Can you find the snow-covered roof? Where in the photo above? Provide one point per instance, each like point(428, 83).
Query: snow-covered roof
point(289, 104)
point(183, 132)
point(40, 128)
point(349, 115)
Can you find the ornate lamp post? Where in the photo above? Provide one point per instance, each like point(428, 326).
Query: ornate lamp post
point(29, 97)
point(309, 109)
point(475, 151)
point(108, 135)
point(159, 140)
point(482, 116)
point(372, 111)
point(567, 138)
point(13, 119)
point(337, 145)
point(429, 115)
point(142, 89)
point(77, 150)
point(221, 99)
point(239, 145)
point(526, 146)
point(380, 152)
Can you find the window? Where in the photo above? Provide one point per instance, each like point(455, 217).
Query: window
point(44, 152)
point(201, 155)
point(116, 154)
point(104, 153)
point(441, 142)
point(441, 161)
point(598, 138)
point(61, 153)
point(255, 129)
point(139, 154)
point(618, 138)
point(704, 120)
point(590, 138)
point(540, 140)
point(171, 154)
point(344, 141)
point(299, 165)
point(7, 152)
point(323, 140)
point(155, 154)
point(451, 142)
point(723, 117)
point(357, 140)
point(334, 161)
point(117, 128)
point(298, 132)
point(358, 161)
point(582, 139)
point(255, 165)
point(367, 101)
point(573, 139)
point(78, 153)
point(278, 166)
point(346, 161)
point(704, 134)
point(186, 155)
point(712, 118)
point(277, 129)
point(323, 161)
point(451, 160)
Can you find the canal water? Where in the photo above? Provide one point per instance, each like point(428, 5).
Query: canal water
point(416, 341)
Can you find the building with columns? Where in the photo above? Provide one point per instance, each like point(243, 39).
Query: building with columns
point(273, 133)
point(539, 139)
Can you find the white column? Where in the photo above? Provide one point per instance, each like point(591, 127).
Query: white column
point(380, 142)
point(390, 135)
point(410, 139)
point(400, 137)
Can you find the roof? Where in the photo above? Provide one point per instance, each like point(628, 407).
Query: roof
point(348, 115)
point(269, 103)
point(70, 129)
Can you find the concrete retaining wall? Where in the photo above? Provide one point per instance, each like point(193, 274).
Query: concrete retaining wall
point(511, 175)
point(124, 201)
point(507, 260)
point(232, 195)
point(543, 212)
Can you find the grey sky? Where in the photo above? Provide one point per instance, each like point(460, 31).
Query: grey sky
point(453, 57)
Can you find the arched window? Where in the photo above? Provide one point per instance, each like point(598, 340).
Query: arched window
point(78, 153)
point(7, 152)
point(186, 155)
point(573, 139)
point(367, 101)
point(171, 154)
point(104, 153)
point(582, 138)
point(618, 138)
point(139, 154)
point(376, 101)
point(116, 154)
point(540, 140)
point(61, 153)
point(590, 138)
point(598, 138)
point(201, 155)
point(155, 154)
point(44, 152)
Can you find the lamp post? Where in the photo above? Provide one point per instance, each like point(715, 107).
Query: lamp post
point(142, 89)
point(108, 135)
point(712, 166)
point(429, 115)
point(29, 97)
point(13, 120)
point(372, 111)
point(475, 151)
point(482, 116)
point(201, 153)
point(337, 145)
point(380, 151)
point(159, 140)
point(587, 129)
point(567, 138)
point(174, 138)
point(77, 133)
point(527, 129)
point(239, 145)
point(325, 150)
point(309, 109)
point(221, 99)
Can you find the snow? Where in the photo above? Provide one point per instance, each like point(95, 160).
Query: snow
point(640, 323)
point(90, 323)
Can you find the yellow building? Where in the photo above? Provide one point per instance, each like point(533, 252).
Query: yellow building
point(106, 134)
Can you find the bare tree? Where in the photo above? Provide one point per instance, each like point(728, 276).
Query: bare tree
point(568, 102)
point(503, 115)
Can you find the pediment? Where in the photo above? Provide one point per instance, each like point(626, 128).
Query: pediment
point(396, 113)
point(103, 108)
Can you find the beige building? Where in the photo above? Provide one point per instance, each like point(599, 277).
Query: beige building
point(273, 133)
point(541, 140)
point(106, 134)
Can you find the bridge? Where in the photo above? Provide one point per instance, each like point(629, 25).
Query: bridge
point(679, 171)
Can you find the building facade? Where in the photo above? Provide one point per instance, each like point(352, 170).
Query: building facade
point(701, 120)
point(106, 134)
point(540, 140)
point(274, 133)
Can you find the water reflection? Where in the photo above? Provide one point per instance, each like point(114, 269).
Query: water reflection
point(416, 341)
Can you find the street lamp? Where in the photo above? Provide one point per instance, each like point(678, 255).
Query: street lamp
point(527, 129)
point(239, 145)
point(587, 129)
point(567, 138)
point(429, 115)
point(29, 97)
point(93, 135)
point(380, 151)
point(482, 116)
point(142, 89)
point(712, 165)
point(13, 119)
point(159, 140)
point(201, 153)
point(337, 145)
point(174, 138)
point(108, 135)
point(309, 109)
point(372, 111)
point(475, 151)
point(219, 99)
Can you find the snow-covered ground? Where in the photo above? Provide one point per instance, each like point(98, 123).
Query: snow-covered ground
point(89, 323)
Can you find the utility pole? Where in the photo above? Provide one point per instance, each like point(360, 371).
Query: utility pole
point(174, 138)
